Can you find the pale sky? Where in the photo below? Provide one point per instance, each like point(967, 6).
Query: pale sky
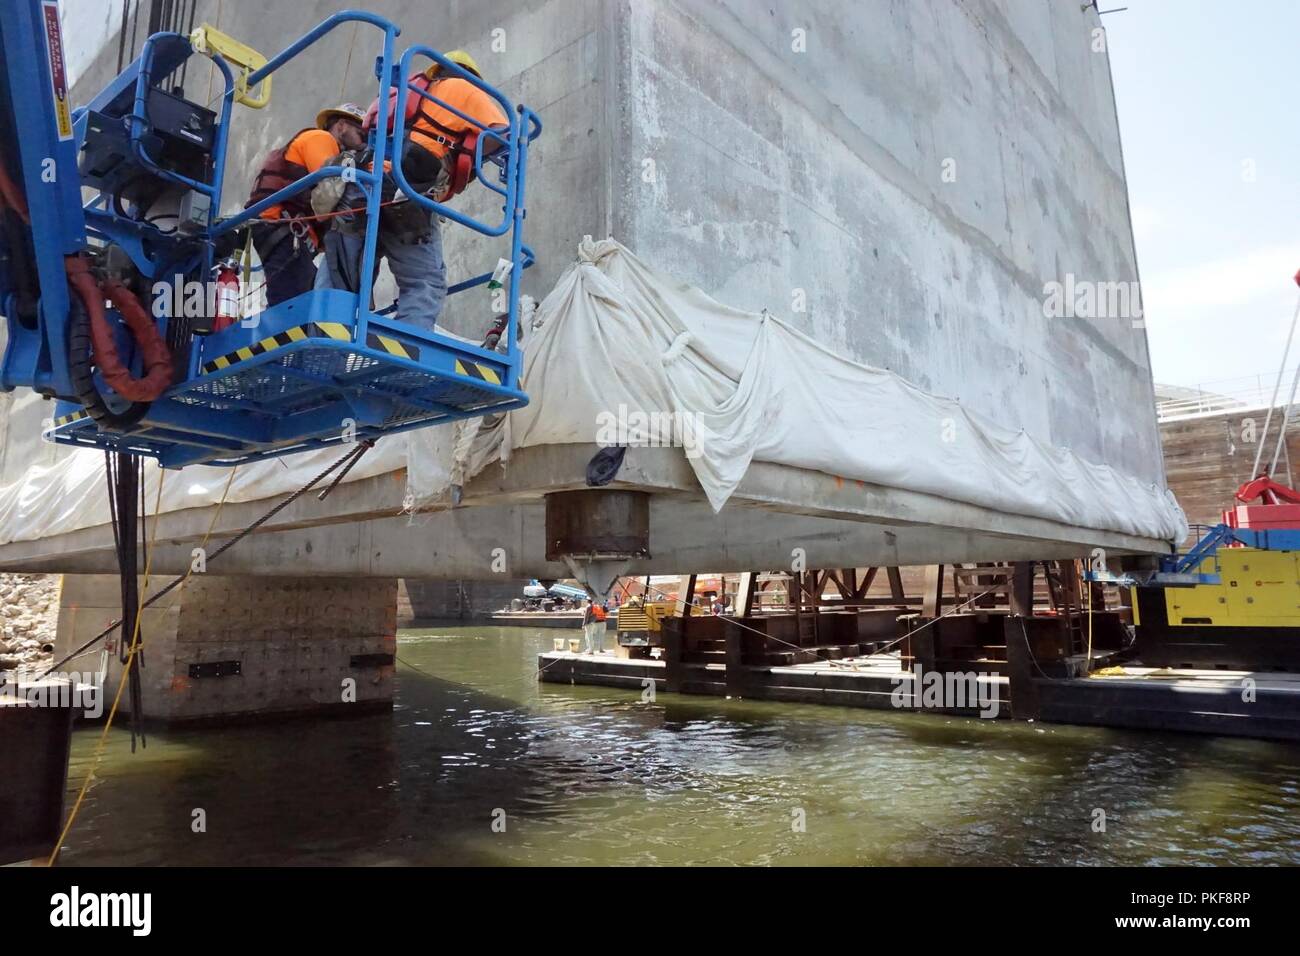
point(1207, 96)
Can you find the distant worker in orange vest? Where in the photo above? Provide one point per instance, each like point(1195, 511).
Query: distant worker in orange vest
point(289, 237)
point(438, 161)
point(593, 627)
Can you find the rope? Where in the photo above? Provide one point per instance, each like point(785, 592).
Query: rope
point(343, 84)
point(351, 210)
point(180, 579)
point(1277, 386)
point(1029, 649)
point(1088, 662)
point(212, 67)
point(350, 458)
point(121, 685)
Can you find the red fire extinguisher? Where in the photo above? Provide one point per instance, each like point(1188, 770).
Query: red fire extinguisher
point(227, 297)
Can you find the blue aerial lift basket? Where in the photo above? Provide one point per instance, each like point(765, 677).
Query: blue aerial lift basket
point(317, 370)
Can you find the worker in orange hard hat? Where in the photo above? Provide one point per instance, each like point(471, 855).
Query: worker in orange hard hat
point(437, 161)
point(289, 237)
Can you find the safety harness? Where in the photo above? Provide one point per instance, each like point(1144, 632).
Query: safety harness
point(276, 173)
point(461, 144)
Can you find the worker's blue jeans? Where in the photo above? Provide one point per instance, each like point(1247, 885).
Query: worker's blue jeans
point(417, 267)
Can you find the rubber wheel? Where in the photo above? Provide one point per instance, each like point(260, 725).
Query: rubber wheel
point(83, 374)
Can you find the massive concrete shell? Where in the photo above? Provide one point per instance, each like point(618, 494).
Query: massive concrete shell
point(899, 180)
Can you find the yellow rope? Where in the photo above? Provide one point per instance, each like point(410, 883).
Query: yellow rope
point(135, 646)
point(212, 67)
point(1088, 663)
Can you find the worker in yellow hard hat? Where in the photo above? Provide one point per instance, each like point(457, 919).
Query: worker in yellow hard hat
point(288, 247)
point(438, 161)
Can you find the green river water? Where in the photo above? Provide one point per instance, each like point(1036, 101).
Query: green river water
point(588, 775)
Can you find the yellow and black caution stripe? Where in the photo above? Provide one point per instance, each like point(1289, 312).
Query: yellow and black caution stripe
point(384, 343)
point(69, 419)
point(484, 372)
point(312, 330)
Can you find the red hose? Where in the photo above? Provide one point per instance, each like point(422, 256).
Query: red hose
point(157, 356)
point(12, 195)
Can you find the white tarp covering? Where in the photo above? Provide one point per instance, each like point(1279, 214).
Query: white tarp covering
point(73, 494)
point(624, 351)
point(623, 354)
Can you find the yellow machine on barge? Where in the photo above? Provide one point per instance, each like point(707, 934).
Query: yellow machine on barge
point(1234, 599)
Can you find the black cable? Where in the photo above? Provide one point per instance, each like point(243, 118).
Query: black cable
point(144, 511)
point(121, 36)
point(179, 85)
point(124, 472)
point(151, 220)
point(180, 578)
point(135, 29)
point(138, 660)
point(155, 16)
point(112, 498)
point(366, 445)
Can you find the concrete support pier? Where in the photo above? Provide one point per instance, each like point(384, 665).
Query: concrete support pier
point(223, 647)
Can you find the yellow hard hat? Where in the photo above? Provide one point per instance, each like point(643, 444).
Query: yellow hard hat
point(343, 110)
point(461, 59)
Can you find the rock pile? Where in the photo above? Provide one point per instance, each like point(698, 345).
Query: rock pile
point(29, 616)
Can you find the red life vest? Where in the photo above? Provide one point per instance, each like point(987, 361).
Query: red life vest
point(461, 144)
point(276, 173)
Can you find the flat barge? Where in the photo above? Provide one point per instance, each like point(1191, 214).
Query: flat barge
point(994, 648)
point(571, 619)
point(1139, 698)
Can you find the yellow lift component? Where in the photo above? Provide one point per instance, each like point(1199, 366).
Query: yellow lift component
point(1259, 589)
point(210, 41)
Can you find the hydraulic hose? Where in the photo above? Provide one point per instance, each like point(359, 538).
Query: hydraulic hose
point(13, 196)
point(157, 357)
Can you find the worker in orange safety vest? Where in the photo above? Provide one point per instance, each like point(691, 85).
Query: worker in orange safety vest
point(437, 161)
point(288, 236)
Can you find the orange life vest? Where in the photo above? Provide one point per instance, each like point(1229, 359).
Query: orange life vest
point(459, 145)
point(278, 172)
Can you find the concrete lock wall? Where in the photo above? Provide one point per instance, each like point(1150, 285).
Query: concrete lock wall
point(899, 180)
point(295, 640)
point(789, 164)
point(781, 156)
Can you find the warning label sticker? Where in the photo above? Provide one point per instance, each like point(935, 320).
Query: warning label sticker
point(58, 71)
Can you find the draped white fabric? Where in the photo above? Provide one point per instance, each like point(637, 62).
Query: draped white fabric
point(622, 343)
point(624, 355)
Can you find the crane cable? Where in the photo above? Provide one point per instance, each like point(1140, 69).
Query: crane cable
point(1277, 387)
point(347, 461)
point(361, 449)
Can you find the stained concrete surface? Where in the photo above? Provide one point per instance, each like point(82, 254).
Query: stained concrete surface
point(781, 176)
